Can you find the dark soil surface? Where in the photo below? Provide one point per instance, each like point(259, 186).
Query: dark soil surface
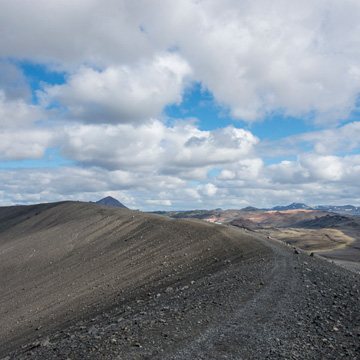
point(348, 257)
point(80, 281)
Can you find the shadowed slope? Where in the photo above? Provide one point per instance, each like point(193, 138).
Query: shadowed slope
point(65, 261)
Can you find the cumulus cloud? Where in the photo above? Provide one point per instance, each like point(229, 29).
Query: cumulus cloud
point(342, 139)
point(159, 202)
point(20, 138)
point(339, 140)
point(226, 175)
point(13, 83)
point(257, 57)
point(328, 167)
point(123, 93)
point(310, 179)
point(15, 99)
point(287, 172)
point(209, 189)
point(67, 34)
point(74, 182)
point(312, 168)
point(20, 145)
point(17, 112)
point(126, 61)
point(153, 146)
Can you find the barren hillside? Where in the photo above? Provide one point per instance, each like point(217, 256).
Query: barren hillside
point(83, 281)
point(61, 262)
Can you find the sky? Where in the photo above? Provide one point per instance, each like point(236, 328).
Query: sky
point(176, 105)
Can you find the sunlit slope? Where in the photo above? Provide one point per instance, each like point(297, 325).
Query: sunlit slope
point(64, 261)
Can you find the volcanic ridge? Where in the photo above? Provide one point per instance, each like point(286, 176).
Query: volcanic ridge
point(81, 280)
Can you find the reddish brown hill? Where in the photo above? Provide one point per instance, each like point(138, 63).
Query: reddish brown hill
point(268, 219)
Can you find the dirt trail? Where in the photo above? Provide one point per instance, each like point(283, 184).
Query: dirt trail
point(250, 328)
point(290, 317)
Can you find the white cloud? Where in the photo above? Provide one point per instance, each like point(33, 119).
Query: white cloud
point(340, 140)
point(123, 93)
point(17, 112)
point(12, 82)
point(141, 165)
point(115, 147)
point(217, 146)
point(259, 56)
point(287, 172)
point(66, 34)
point(327, 180)
point(192, 193)
point(249, 168)
point(226, 175)
point(209, 189)
point(255, 56)
point(125, 61)
point(181, 149)
point(20, 138)
point(312, 168)
point(328, 167)
point(159, 202)
point(20, 145)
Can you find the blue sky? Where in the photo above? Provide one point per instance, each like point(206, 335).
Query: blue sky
point(193, 104)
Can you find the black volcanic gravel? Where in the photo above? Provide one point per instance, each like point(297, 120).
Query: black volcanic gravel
point(281, 306)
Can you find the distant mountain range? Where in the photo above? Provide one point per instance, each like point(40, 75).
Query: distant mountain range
point(110, 201)
point(293, 206)
point(340, 209)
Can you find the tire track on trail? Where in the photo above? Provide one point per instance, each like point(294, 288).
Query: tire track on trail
point(257, 324)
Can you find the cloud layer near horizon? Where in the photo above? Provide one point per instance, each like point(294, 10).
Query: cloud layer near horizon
point(125, 61)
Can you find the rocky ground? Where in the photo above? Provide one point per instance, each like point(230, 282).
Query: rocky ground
point(254, 298)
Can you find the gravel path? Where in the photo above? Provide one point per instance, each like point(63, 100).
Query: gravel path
point(296, 315)
point(278, 305)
